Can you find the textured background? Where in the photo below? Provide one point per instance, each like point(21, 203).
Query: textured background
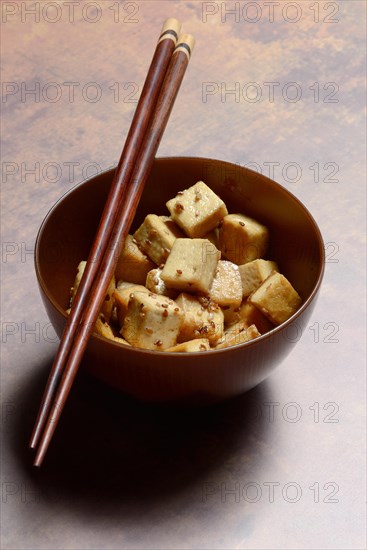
point(282, 467)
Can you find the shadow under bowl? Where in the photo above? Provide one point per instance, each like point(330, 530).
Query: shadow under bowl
point(65, 238)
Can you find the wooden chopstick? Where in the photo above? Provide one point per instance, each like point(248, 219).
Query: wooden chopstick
point(149, 95)
point(131, 197)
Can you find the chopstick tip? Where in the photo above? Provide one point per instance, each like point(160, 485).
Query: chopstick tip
point(37, 463)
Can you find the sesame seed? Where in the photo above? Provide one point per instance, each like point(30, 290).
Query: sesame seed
point(158, 343)
point(242, 223)
point(165, 313)
point(179, 271)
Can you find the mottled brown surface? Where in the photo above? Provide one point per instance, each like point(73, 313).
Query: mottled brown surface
point(146, 478)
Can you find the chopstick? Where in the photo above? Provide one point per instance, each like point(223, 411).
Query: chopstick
point(152, 86)
point(131, 197)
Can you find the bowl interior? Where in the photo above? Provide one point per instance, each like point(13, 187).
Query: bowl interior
point(67, 231)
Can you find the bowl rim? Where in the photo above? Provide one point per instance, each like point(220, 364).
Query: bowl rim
point(172, 354)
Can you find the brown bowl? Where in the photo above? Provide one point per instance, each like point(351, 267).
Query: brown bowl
point(296, 244)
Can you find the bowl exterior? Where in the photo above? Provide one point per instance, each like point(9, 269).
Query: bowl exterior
point(64, 240)
point(201, 379)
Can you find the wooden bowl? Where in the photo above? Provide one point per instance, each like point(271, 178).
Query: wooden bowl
point(296, 244)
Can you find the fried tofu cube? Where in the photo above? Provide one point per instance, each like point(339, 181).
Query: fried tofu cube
point(152, 321)
point(254, 273)
point(191, 265)
point(242, 239)
point(248, 314)
point(201, 344)
point(276, 298)
point(226, 288)
point(155, 284)
point(133, 265)
point(108, 303)
point(122, 296)
point(156, 236)
point(213, 237)
point(238, 334)
point(202, 318)
point(197, 210)
point(121, 341)
point(103, 329)
point(230, 314)
point(78, 277)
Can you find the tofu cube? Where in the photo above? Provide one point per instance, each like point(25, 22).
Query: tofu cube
point(254, 273)
point(226, 288)
point(230, 314)
point(156, 236)
point(108, 303)
point(152, 321)
point(103, 329)
point(201, 344)
point(78, 277)
point(122, 296)
point(213, 237)
point(133, 265)
point(202, 318)
point(248, 314)
point(121, 341)
point(276, 298)
point(197, 210)
point(155, 283)
point(242, 239)
point(191, 265)
point(238, 335)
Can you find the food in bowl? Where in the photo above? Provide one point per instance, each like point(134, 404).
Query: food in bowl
point(201, 377)
point(196, 280)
